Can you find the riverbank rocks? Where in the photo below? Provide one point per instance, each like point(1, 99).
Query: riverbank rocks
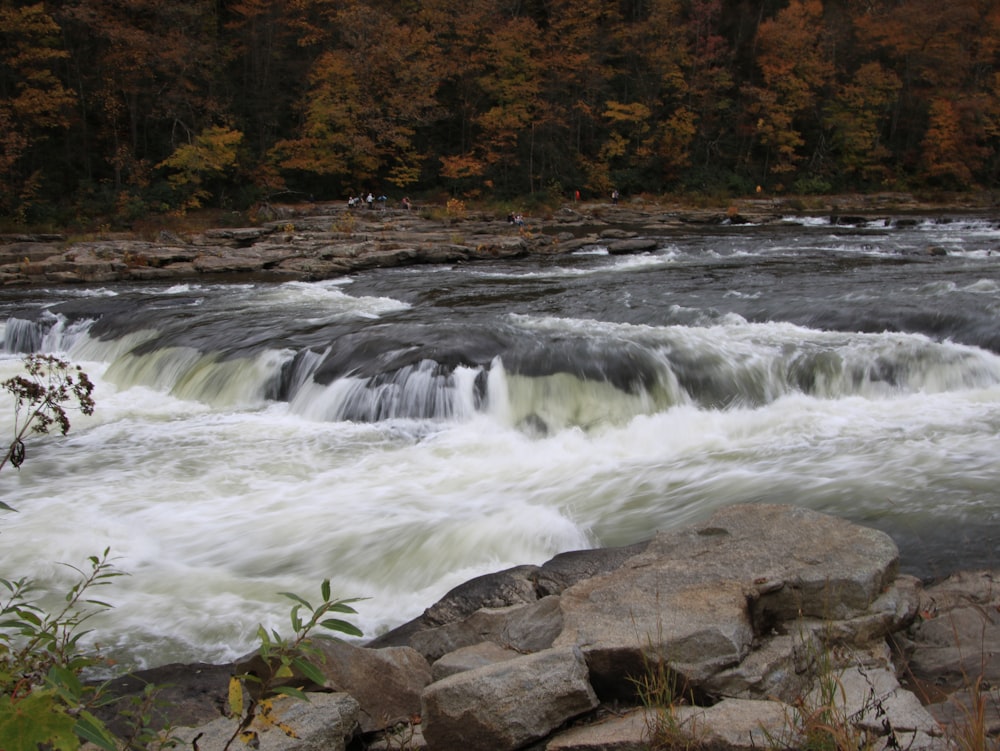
point(750, 630)
point(323, 240)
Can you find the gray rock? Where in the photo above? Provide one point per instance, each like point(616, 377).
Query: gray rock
point(324, 723)
point(227, 263)
point(873, 700)
point(778, 667)
point(236, 237)
point(507, 705)
point(696, 597)
point(393, 697)
point(470, 658)
point(637, 245)
point(526, 628)
point(955, 639)
point(626, 732)
point(737, 724)
point(518, 585)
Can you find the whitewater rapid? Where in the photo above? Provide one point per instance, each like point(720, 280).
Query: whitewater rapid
point(403, 432)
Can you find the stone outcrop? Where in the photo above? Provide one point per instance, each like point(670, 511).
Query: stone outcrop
point(761, 624)
point(320, 241)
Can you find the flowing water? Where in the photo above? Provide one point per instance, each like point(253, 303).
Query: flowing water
point(401, 431)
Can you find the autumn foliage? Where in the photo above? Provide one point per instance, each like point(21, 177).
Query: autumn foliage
point(124, 107)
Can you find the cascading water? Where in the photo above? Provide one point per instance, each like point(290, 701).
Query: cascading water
point(404, 430)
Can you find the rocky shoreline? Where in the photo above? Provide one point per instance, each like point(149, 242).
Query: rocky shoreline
point(320, 241)
point(775, 621)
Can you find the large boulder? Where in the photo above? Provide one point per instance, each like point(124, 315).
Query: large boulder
point(519, 585)
point(697, 598)
point(527, 628)
point(327, 722)
point(392, 697)
point(506, 705)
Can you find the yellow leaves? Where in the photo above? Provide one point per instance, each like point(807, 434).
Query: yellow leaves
point(235, 696)
point(28, 40)
point(461, 166)
point(209, 155)
point(635, 112)
point(211, 151)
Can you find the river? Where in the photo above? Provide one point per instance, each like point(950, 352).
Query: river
point(400, 431)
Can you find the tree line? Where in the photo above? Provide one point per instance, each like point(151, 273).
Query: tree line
point(125, 107)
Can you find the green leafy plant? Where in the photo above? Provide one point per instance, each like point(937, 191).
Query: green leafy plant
point(42, 698)
point(282, 662)
point(40, 401)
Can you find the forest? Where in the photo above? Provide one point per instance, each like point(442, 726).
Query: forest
point(125, 108)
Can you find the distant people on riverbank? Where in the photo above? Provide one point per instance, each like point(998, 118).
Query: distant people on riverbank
point(406, 203)
point(614, 197)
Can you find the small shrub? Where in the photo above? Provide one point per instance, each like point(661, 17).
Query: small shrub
point(283, 660)
point(455, 209)
point(42, 699)
point(40, 397)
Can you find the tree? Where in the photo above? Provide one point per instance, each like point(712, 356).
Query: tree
point(511, 81)
point(366, 100)
point(34, 103)
point(649, 139)
point(210, 156)
point(857, 116)
point(795, 66)
point(143, 69)
point(946, 150)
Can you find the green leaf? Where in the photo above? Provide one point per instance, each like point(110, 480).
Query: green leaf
point(36, 719)
point(335, 624)
point(325, 590)
point(263, 636)
point(89, 728)
point(66, 683)
point(310, 671)
point(342, 607)
point(291, 691)
point(296, 598)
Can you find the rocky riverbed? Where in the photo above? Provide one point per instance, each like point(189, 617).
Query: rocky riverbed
point(319, 241)
point(773, 620)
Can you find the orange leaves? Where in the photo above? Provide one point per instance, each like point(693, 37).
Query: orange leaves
point(946, 150)
point(795, 65)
